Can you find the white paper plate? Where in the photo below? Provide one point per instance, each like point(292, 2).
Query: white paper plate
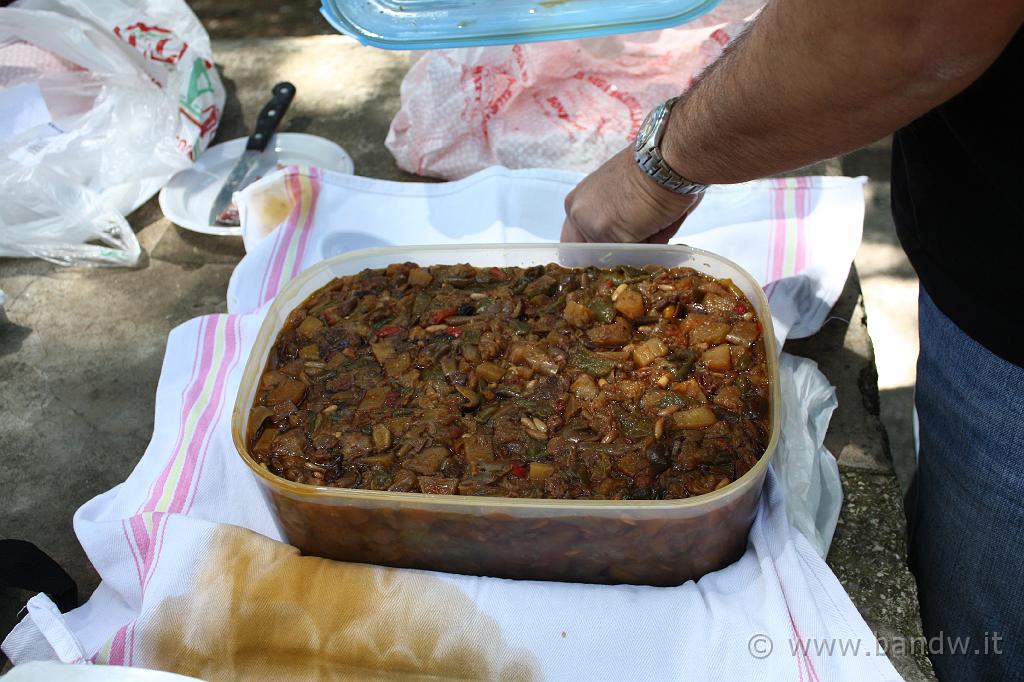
point(186, 200)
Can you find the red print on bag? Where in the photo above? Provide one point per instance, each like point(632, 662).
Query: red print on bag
point(632, 104)
point(720, 37)
point(155, 42)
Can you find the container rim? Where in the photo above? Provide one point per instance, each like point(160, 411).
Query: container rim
point(345, 25)
point(240, 410)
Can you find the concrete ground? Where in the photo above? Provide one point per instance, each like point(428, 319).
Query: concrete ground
point(890, 286)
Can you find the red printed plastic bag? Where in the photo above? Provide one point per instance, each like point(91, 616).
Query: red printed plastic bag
point(567, 105)
point(101, 102)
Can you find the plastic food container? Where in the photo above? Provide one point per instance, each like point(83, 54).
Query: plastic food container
point(646, 542)
point(430, 24)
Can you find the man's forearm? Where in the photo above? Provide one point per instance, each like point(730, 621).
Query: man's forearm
point(815, 78)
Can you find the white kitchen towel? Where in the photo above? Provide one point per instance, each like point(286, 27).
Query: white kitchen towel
point(797, 236)
point(197, 581)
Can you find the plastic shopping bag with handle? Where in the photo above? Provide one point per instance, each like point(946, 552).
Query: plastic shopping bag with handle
point(101, 102)
point(567, 104)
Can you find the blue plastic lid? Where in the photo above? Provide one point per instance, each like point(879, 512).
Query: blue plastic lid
point(429, 24)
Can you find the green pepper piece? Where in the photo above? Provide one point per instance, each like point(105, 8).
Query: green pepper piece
point(682, 362)
point(635, 426)
point(420, 304)
point(629, 275)
point(603, 309)
point(671, 398)
point(539, 408)
point(323, 376)
point(590, 363)
point(320, 307)
point(520, 327)
point(484, 415)
point(506, 392)
point(535, 451)
point(556, 305)
point(433, 373)
point(471, 337)
point(744, 362)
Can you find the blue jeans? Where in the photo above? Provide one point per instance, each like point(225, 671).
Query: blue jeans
point(966, 508)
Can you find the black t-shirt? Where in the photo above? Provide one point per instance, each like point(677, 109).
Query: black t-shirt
point(958, 202)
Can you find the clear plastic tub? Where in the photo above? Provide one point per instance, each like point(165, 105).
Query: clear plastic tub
point(659, 542)
point(432, 24)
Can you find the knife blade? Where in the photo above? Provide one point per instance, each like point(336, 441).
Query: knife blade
point(242, 174)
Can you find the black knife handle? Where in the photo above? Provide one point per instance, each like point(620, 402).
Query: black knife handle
point(271, 115)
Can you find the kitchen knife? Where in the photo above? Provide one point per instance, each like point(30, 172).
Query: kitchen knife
point(241, 175)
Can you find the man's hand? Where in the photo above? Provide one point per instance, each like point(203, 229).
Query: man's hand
point(619, 203)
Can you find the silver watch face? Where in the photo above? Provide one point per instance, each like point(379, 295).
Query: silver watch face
point(647, 128)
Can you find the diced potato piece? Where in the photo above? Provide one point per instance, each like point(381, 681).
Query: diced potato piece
point(271, 378)
point(576, 314)
point(537, 359)
point(310, 352)
point(611, 335)
point(718, 358)
point(489, 372)
point(289, 390)
point(731, 286)
point(743, 333)
point(691, 391)
point(647, 352)
point(262, 447)
point(584, 387)
point(258, 415)
point(730, 398)
point(478, 448)
point(427, 462)
point(382, 351)
point(437, 485)
point(418, 277)
point(741, 359)
point(709, 332)
point(627, 389)
point(541, 470)
point(374, 399)
point(694, 418)
point(632, 463)
point(630, 304)
point(381, 437)
point(718, 303)
point(309, 326)
point(713, 288)
point(385, 460)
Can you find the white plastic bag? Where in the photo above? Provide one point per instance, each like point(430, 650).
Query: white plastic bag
point(806, 469)
point(566, 104)
point(129, 96)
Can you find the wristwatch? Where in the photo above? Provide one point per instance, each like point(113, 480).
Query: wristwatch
point(648, 152)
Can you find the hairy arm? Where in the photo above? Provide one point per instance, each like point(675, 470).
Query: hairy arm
point(808, 80)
